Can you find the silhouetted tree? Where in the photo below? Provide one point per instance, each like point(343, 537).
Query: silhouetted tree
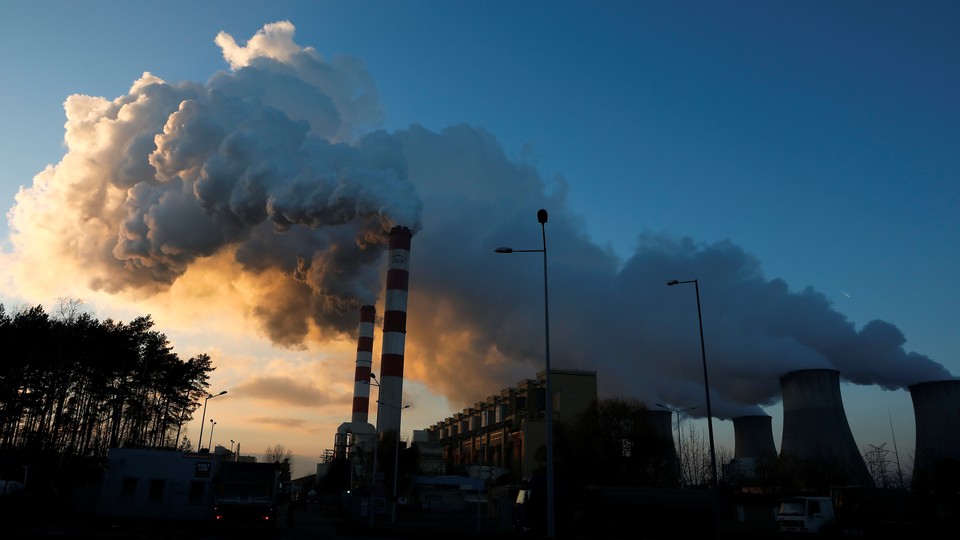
point(278, 453)
point(76, 385)
point(614, 443)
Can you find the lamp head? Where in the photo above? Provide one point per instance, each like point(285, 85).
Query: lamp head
point(541, 216)
point(504, 250)
point(672, 282)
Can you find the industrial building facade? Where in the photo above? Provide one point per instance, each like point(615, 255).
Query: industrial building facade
point(503, 433)
point(158, 484)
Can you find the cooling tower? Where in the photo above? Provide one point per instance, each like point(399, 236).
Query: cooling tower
point(661, 422)
point(936, 408)
point(753, 437)
point(361, 381)
point(394, 331)
point(816, 434)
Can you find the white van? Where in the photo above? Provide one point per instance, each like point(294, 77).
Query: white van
point(806, 515)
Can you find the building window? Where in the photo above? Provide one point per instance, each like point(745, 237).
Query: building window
point(128, 489)
point(156, 489)
point(196, 492)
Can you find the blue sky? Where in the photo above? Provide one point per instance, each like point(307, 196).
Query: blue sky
point(818, 137)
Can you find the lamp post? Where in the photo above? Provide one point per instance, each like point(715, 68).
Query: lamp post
point(542, 219)
point(202, 418)
point(679, 436)
point(210, 442)
point(706, 383)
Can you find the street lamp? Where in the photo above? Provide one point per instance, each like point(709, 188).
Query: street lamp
point(202, 418)
point(542, 219)
point(706, 383)
point(679, 436)
point(210, 442)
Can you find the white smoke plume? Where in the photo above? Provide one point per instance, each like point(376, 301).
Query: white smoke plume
point(277, 167)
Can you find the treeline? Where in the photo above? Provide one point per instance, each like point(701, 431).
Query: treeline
point(73, 385)
point(614, 443)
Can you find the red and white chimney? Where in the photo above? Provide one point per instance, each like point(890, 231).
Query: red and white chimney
point(361, 384)
point(394, 331)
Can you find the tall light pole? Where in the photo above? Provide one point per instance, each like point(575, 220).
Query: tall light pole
point(706, 383)
point(679, 436)
point(204, 417)
point(210, 442)
point(542, 219)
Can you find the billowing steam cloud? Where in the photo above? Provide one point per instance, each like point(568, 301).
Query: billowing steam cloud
point(277, 164)
point(248, 163)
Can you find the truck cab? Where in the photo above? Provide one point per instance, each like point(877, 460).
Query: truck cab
point(247, 494)
point(806, 515)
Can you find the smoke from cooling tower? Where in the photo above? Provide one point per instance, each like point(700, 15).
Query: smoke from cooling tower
point(276, 169)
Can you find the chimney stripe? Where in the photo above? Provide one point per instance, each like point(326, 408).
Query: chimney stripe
point(398, 279)
point(365, 344)
point(395, 321)
point(392, 365)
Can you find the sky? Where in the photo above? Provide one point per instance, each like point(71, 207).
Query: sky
point(232, 169)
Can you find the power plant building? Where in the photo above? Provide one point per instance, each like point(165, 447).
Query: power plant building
point(505, 431)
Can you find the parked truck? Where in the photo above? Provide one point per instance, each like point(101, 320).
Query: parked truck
point(247, 494)
point(806, 515)
point(872, 512)
point(596, 511)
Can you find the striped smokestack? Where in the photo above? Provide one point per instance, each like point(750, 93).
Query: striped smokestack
point(361, 381)
point(394, 331)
